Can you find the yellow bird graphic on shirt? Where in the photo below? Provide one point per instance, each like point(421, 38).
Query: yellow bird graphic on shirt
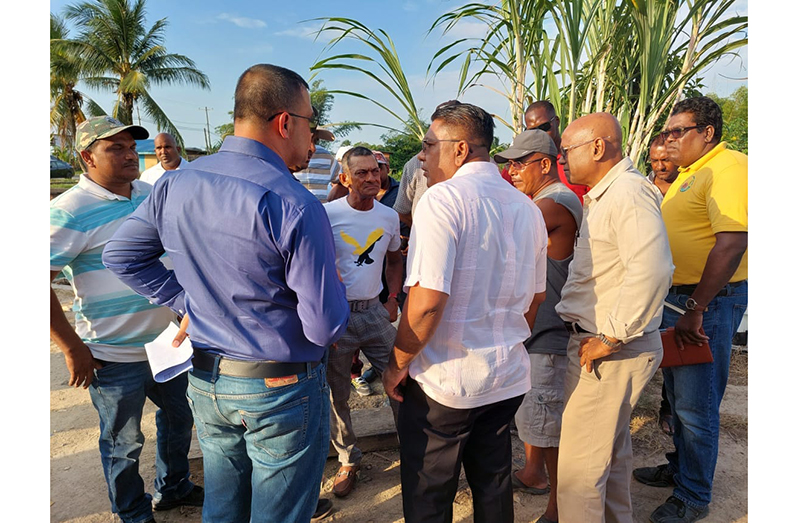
point(362, 252)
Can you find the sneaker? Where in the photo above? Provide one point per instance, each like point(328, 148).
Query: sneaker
point(674, 510)
point(194, 498)
point(370, 374)
point(323, 509)
point(660, 476)
point(361, 386)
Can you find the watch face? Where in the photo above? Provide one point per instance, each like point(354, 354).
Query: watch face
point(690, 304)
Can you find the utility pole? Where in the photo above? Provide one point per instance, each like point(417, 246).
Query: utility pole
point(207, 129)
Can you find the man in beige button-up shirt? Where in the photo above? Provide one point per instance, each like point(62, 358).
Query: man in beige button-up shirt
point(612, 305)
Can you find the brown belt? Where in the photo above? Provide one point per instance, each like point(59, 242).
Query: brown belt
point(249, 369)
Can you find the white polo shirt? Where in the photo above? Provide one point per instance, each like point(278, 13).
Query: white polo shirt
point(483, 242)
point(152, 174)
point(111, 319)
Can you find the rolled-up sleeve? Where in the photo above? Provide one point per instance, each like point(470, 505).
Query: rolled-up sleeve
point(645, 255)
point(134, 253)
point(309, 250)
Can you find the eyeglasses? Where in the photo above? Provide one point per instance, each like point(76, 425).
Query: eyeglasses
point(312, 123)
point(565, 150)
point(542, 127)
point(678, 132)
point(521, 165)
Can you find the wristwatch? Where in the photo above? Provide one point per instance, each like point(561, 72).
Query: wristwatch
point(613, 345)
point(692, 305)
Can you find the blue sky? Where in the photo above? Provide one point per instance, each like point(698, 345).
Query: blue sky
point(226, 38)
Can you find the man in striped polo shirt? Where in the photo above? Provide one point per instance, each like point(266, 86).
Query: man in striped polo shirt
point(322, 168)
point(105, 351)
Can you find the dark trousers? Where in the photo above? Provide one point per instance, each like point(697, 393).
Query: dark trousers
point(435, 440)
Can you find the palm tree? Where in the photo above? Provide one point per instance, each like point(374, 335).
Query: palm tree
point(121, 54)
point(66, 102)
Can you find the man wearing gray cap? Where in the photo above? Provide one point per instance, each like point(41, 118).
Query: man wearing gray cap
point(531, 163)
point(105, 351)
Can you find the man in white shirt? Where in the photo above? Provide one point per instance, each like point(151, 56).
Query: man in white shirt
point(476, 274)
point(612, 306)
point(168, 153)
point(365, 234)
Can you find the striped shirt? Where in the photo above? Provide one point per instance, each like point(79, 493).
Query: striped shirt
point(321, 171)
point(110, 318)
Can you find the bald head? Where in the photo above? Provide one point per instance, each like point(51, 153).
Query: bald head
point(591, 146)
point(167, 151)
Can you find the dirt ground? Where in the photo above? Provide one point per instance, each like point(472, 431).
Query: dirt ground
point(78, 493)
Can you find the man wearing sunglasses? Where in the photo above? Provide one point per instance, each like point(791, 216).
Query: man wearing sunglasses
point(255, 282)
point(531, 160)
point(541, 116)
point(612, 306)
point(706, 216)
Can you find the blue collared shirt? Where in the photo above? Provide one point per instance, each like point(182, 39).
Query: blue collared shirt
point(253, 256)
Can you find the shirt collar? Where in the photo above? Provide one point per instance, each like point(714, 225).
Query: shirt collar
point(249, 147)
point(476, 167)
point(605, 183)
point(701, 162)
point(91, 187)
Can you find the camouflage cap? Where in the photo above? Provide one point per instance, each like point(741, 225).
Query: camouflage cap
point(101, 127)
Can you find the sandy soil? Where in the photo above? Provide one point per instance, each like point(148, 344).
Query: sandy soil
point(377, 498)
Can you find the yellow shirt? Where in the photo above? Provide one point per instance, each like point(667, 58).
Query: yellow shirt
point(708, 197)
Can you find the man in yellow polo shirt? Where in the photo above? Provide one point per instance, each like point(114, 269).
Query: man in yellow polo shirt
point(706, 216)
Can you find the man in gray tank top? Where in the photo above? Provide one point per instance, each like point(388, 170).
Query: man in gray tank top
point(532, 166)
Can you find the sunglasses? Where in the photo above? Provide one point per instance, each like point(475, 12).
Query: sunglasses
point(678, 132)
point(312, 120)
point(542, 127)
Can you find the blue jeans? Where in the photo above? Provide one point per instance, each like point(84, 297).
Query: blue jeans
point(118, 392)
point(695, 393)
point(263, 448)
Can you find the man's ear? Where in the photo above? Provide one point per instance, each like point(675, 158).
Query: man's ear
point(462, 149)
point(545, 165)
point(344, 179)
point(599, 148)
point(87, 158)
point(709, 133)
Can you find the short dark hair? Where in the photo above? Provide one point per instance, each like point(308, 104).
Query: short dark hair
point(266, 89)
point(658, 141)
point(547, 105)
point(474, 121)
point(351, 153)
point(705, 112)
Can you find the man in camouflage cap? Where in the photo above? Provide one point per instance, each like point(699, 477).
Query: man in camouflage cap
point(105, 350)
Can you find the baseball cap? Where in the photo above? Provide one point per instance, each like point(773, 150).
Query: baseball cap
point(532, 141)
point(325, 134)
point(342, 151)
point(101, 127)
point(381, 158)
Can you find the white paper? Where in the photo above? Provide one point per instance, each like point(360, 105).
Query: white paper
point(166, 361)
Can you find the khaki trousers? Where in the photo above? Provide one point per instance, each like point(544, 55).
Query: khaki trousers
point(595, 462)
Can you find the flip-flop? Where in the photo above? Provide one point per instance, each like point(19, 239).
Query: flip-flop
point(520, 487)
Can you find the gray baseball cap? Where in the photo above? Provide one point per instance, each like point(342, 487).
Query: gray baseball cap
point(532, 141)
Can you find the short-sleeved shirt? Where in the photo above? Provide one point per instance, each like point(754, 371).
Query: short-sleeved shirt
point(483, 243)
point(708, 197)
point(361, 240)
point(152, 174)
point(111, 319)
point(322, 170)
point(411, 188)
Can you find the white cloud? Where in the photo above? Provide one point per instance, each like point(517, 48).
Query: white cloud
point(241, 21)
point(305, 31)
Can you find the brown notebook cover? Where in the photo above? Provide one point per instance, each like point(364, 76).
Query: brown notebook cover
point(689, 355)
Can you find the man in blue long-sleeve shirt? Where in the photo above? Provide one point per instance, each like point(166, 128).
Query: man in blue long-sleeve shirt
point(254, 270)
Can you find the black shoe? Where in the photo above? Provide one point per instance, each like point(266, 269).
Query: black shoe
point(194, 498)
point(323, 509)
point(660, 476)
point(674, 510)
